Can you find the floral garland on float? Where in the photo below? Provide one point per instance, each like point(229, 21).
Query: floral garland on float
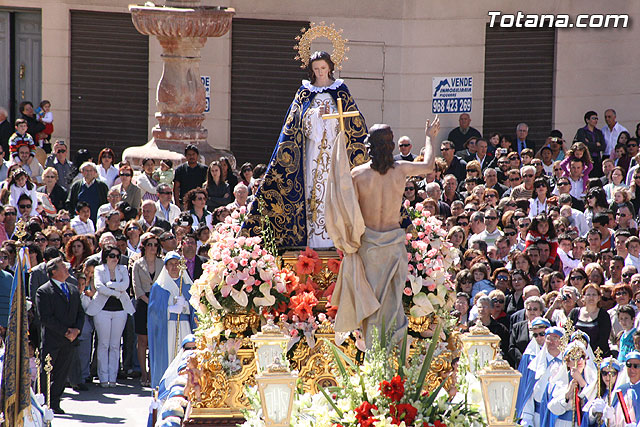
point(429, 293)
point(245, 280)
point(387, 389)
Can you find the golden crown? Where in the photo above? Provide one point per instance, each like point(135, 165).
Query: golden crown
point(303, 47)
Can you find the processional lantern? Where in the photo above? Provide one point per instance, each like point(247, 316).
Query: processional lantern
point(480, 343)
point(277, 386)
point(499, 391)
point(269, 344)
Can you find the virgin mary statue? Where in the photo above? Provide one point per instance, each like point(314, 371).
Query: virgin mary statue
point(294, 188)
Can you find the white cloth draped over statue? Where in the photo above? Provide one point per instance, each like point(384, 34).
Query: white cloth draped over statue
point(365, 298)
point(319, 139)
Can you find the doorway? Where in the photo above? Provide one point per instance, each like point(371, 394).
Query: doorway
point(21, 75)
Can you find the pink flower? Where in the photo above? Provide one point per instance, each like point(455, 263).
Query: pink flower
point(431, 287)
point(420, 266)
point(294, 333)
point(419, 207)
point(407, 292)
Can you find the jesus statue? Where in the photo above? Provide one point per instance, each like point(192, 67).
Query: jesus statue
point(368, 292)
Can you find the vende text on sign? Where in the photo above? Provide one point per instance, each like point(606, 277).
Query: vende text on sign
point(452, 94)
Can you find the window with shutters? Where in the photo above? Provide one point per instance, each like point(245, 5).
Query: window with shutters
point(518, 81)
point(264, 78)
point(109, 82)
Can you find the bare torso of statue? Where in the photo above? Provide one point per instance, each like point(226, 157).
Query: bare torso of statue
point(379, 186)
point(380, 194)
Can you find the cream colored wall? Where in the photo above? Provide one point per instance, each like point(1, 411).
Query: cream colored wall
point(595, 69)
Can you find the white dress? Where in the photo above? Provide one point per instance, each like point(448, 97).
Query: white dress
point(319, 138)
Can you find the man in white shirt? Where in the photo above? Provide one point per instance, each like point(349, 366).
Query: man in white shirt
point(633, 249)
point(611, 132)
point(491, 231)
point(576, 171)
point(114, 196)
point(164, 208)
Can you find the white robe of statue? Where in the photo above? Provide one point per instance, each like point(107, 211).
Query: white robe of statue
point(319, 138)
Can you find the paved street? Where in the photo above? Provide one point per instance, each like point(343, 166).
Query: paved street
point(125, 405)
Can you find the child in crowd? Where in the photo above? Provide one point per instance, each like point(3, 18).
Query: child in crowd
point(481, 279)
point(578, 151)
point(626, 315)
point(82, 223)
point(164, 174)
point(44, 114)
point(21, 138)
point(20, 184)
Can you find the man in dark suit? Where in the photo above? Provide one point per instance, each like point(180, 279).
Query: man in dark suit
point(148, 219)
point(521, 142)
point(189, 247)
point(404, 145)
point(62, 317)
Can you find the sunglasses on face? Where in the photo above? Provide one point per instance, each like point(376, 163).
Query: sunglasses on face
point(24, 206)
point(538, 334)
point(529, 175)
point(446, 149)
point(463, 224)
point(491, 218)
point(502, 278)
point(61, 151)
point(609, 373)
point(67, 235)
point(497, 301)
point(164, 192)
point(510, 234)
point(10, 214)
point(514, 179)
point(126, 174)
point(620, 293)
point(113, 255)
point(40, 240)
point(409, 189)
point(468, 259)
point(633, 365)
point(404, 145)
point(627, 275)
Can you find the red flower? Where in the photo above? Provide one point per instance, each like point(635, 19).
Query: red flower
point(364, 415)
point(310, 253)
point(334, 265)
point(331, 311)
point(290, 279)
point(394, 390)
point(305, 265)
point(329, 291)
point(302, 305)
point(403, 412)
point(436, 423)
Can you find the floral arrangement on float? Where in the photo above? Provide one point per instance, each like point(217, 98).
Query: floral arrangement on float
point(387, 389)
point(241, 277)
point(429, 289)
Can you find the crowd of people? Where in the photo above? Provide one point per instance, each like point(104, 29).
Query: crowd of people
point(547, 232)
point(99, 235)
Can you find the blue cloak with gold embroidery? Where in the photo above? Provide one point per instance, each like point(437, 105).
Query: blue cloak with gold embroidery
point(282, 189)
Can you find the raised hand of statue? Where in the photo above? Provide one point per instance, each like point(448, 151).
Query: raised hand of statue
point(432, 128)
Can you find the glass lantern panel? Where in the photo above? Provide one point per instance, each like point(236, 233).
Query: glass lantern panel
point(267, 354)
point(277, 398)
point(500, 399)
point(483, 353)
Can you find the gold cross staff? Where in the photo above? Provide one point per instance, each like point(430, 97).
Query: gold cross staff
point(341, 115)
